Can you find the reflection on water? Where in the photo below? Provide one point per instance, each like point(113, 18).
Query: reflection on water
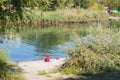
point(33, 44)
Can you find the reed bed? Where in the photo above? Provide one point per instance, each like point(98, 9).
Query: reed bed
point(63, 16)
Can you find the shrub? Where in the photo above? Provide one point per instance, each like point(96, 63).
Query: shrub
point(5, 72)
point(3, 61)
point(114, 4)
point(96, 52)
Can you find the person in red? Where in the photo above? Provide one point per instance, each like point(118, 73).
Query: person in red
point(47, 59)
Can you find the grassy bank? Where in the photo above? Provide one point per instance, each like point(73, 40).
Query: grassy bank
point(5, 69)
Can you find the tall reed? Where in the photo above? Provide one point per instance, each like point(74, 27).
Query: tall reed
point(64, 15)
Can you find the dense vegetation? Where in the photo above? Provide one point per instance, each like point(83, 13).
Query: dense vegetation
point(94, 53)
point(13, 9)
point(37, 17)
point(6, 73)
point(15, 13)
point(114, 4)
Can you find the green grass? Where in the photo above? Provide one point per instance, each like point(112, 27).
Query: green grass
point(70, 70)
point(42, 73)
point(115, 24)
point(116, 14)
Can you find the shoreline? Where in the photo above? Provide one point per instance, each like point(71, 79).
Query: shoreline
point(39, 60)
point(31, 68)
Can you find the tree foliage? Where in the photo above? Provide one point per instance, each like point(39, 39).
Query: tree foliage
point(44, 5)
point(114, 4)
point(69, 3)
point(17, 6)
point(82, 3)
point(12, 10)
point(2, 4)
point(4, 9)
point(57, 4)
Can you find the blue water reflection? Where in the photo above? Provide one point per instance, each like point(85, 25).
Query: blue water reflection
point(22, 51)
point(24, 48)
point(31, 44)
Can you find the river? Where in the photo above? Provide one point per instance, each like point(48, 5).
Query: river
point(35, 43)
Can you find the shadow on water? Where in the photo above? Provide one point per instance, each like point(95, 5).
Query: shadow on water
point(112, 75)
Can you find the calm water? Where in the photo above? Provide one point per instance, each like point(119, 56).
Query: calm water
point(34, 44)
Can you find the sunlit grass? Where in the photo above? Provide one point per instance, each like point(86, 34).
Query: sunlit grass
point(42, 73)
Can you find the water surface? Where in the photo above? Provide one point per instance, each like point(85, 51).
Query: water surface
point(35, 43)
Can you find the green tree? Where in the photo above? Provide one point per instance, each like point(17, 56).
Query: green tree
point(4, 6)
point(114, 4)
point(69, 3)
point(44, 5)
point(17, 6)
point(92, 2)
point(29, 3)
point(82, 3)
point(55, 4)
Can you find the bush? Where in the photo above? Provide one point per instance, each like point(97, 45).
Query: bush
point(114, 4)
point(3, 61)
point(96, 52)
point(5, 72)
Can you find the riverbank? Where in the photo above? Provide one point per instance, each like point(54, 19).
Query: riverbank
point(38, 17)
point(32, 68)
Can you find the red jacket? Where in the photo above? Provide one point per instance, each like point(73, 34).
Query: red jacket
point(47, 59)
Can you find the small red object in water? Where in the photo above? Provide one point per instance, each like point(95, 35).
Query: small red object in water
point(47, 59)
